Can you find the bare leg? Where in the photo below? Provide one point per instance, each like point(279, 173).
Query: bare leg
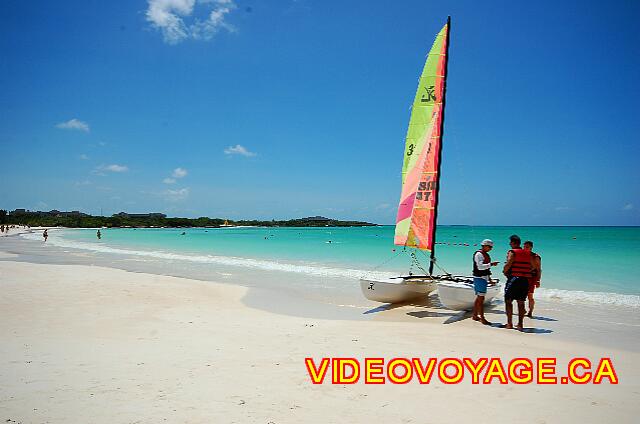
point(509, 310)
point(521, 311)
point(476, 309)
point(531, 305)
point(480, 301)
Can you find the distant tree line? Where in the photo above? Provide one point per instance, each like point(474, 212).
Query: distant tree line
point(77, 220)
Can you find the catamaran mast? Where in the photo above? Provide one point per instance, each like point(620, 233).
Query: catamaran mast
point(444, 95)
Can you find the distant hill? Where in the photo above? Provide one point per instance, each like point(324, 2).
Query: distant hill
point(77, 219)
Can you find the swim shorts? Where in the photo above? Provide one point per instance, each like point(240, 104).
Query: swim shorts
point(480, 286)
point(516, 288)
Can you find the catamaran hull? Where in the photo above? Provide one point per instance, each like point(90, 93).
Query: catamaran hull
point(460, 295)
point(396, 291)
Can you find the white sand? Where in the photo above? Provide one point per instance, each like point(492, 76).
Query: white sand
point(86, 344)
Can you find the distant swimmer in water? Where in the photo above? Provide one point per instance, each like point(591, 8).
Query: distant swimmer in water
point(183, 233)
point(99, 235)
point(45, 235)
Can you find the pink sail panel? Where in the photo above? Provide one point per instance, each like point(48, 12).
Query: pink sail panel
point(424, 203)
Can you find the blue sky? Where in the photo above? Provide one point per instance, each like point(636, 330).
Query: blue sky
point(282, 109)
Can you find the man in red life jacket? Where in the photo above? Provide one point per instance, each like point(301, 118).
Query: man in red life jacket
point(536, 273)
point(481, 278)
point(518, 271)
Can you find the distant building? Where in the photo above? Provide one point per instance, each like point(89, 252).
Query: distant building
point(72, 213)
point(316, 219)
point(140, 215)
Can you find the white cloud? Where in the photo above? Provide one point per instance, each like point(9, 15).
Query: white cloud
point(175, 175)
point(179, 173)
point(562, 208)
point(74, 124)
point(205, 30)
point(116, 168)
point(83, 157)
point(238, 150)
point(176, 195)
point(169, 17)
point(383, 206)
point(627, 207)
point(110, 168)
point(83, 183)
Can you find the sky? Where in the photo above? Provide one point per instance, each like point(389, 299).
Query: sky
point(286, 109)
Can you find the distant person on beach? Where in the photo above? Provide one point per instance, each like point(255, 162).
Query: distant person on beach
point(536, 273)
point(481, 278)
point(45, 234)
point(518, 271)
point(99, 235)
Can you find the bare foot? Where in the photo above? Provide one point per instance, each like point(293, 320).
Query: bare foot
point(519, 327)
point(530, 315)
point(509, 327)
point(485, 322)
point(475, 318)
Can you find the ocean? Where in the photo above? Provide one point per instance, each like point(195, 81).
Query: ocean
point(593, 264)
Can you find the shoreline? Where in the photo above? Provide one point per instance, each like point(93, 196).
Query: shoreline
point(318, 270)
point(298, 295)
point(95, 344)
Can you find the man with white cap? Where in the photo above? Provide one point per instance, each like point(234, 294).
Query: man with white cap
point(481, 277)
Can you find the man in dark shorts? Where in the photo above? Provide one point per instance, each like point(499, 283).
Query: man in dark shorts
point(518, 271)
point(536, 273)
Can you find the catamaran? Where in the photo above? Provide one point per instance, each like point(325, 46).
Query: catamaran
point(418, 208)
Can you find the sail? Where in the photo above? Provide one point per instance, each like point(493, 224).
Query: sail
point(415, 223)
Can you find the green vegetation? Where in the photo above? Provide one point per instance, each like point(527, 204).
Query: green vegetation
point(77, 219)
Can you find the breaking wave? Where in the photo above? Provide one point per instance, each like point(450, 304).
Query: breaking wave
point(558, 295)
point(267, 265)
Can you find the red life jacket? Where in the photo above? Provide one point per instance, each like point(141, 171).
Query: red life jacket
point(521, 265)
point(481, 272)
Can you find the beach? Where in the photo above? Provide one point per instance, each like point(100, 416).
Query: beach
point(217, 211)
point(85, 343)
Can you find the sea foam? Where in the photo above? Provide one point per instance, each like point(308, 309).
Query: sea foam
point(267, 265)
point(568, 296)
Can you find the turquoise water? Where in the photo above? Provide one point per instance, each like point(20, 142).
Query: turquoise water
point(593, 259)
